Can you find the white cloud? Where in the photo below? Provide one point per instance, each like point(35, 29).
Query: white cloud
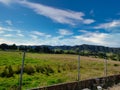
point(113, 40)
point(9, 22)
point(113, 24)
point(8, 35)
point(5, 41)
point(40, 34)
point(33, 36)
point(88, 21)
point(1, 32)
point(6, 2)
point(1, 28)
point(9, 32)
point(83, 31)
point(5, 29)
point(93, 37)
point(58, 15)
point(21, 35)
point(64, 32)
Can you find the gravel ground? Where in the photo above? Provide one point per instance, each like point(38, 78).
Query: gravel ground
point(115, 87)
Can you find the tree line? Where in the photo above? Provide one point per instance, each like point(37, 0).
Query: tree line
point(83, 50)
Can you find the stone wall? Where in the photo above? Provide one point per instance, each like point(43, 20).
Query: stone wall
point(90, 83)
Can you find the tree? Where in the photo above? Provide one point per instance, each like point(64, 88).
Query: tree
point(13, 47)
point(4, 46)
point(118, 56)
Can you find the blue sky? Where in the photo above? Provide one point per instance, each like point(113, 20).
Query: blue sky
point(60, 22)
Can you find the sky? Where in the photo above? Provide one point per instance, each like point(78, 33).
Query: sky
point(60, 22)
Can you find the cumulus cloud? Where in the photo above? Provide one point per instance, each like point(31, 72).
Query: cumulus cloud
point(113, 40)
point(90, 38)
point(63, 17)
point(64, 32)
point(93, 37)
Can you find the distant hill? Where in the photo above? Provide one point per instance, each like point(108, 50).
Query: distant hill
point(76, 48)
point(83, 50)
point(85, 47)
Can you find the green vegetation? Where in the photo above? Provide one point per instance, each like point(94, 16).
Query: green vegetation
point(48, 69)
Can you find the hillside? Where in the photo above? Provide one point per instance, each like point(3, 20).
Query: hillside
point(90, 48)
point(76, 48)
point(49, 69)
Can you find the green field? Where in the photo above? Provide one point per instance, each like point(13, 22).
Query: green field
point(49, 69)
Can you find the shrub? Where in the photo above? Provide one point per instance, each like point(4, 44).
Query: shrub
point(17, 71)
point(11, 72)
point(29, 69)
point(4, 73)
point(39, 69)
point(59, 69)
point(7, 72)
point(116, 65)
point(48, 70)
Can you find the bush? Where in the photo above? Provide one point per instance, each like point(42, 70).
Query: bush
point(4, 73)
point(48, 70)
point(11, 72)
point(18, 70)
point(39, 69)
point(7, 72)
point(29, 69)
point(116, 65)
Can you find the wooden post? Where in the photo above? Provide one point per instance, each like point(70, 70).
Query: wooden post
point(105, 71)
point(22, 68)
point(105, 67)
point(79, 87)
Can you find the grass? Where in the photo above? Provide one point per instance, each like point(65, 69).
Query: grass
point(49, 69)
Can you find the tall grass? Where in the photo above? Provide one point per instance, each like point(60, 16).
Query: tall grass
point(48, 69)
